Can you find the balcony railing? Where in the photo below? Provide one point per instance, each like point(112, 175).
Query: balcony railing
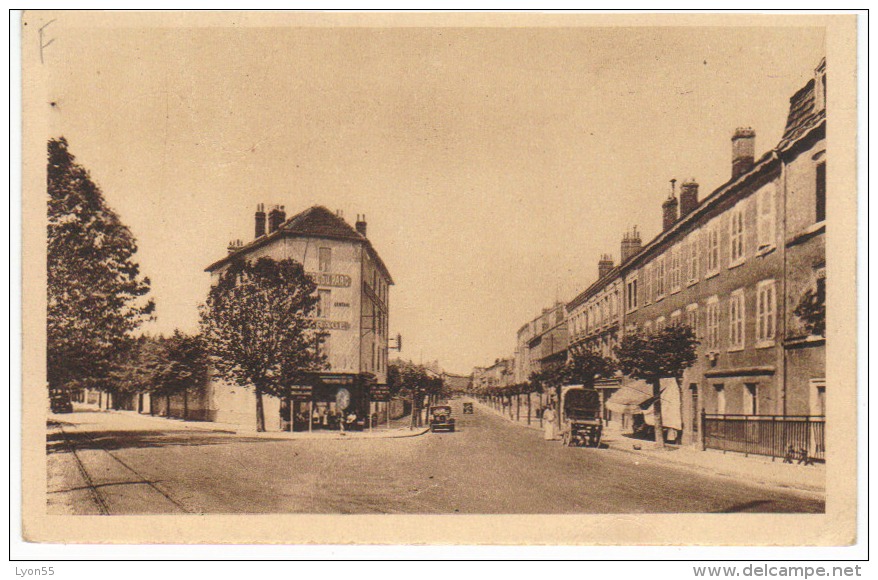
point(795, 439)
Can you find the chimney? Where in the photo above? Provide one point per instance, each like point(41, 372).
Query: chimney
point(669, 209)
point(688, 197)
point(605, 264)
point(235, 245)
point(743, 147)
point(276, 217)
point(630, 245)
point(361, 225)
point(260, 220)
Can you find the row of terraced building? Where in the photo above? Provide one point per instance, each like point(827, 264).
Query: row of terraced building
point(739, 265)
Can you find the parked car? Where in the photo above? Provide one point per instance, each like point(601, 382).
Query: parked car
point(441, 419)
point(59, 401)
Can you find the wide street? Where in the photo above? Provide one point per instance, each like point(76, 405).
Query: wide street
point(120, 463)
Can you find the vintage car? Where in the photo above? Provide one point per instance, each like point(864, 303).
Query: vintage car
point(441, 419)
point(59, 401)
point(467, 408)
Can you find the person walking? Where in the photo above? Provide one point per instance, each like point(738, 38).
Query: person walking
point(549, 423)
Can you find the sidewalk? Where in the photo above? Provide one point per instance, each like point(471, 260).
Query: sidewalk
point(753, 468)
point(399, 428)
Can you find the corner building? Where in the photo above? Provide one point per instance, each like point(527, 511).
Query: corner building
point(352, 315)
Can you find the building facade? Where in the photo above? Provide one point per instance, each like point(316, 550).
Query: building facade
point(737, 267)
point(352, 315)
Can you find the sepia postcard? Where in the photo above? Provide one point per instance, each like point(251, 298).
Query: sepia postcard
point(457, 278)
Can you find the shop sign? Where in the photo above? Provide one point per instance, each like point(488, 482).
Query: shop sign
point(332, 324)
point(380, 393)
point(333, 280)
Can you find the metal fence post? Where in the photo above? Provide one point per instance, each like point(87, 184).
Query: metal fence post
point(703, 430)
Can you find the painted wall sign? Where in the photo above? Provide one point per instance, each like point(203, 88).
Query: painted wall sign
point(334, 280)
point(332, 324)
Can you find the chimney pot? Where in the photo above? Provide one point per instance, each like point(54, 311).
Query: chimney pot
point(260, 220)
point(688, 197)
point(361, 225)
point(669, 209)
point(743, 151)
point(630, 245)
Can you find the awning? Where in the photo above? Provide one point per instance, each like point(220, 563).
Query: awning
point(636, 397)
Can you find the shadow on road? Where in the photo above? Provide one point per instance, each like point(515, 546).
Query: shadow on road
point(750, 506)
point(58, 442)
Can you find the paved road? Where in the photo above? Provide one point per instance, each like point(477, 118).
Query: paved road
point(124, 464)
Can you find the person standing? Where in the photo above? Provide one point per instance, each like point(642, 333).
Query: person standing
point(549, 423)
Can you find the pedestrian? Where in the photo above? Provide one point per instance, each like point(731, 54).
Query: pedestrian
point(549, 423)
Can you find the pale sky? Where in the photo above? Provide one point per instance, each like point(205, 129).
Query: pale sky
point(494, 165)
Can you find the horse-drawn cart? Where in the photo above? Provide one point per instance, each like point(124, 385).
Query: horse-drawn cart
point(581, 424)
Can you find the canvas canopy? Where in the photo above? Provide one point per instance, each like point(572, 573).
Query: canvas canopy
point(635, 397)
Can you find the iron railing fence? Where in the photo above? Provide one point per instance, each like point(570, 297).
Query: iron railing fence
point(795, 439)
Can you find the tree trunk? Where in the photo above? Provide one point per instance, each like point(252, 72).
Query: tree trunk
point(528, 407)
point(414, 410)
point(558, 409)
point(517, 407)
point(186, 405)
point(260, 412)
point(168, 406)
point(657, 414)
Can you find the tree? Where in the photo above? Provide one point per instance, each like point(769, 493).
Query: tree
point(95, 294)
point(178, 366)
point(258, 327)
point(663, 354)
point(811, 309)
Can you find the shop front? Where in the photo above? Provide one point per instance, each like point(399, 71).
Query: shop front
point(331, 401)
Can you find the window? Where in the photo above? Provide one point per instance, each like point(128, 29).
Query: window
point(675, 317)
point(736, 236)
point(821, 193)
point(712, 249)
point(766, 306)
point(647, 327)
point(659, 323)
point(765, 218)
point(658, 279)
point(325, 299)
point(647, 283)
point(713, 323)
point(632, 294)
point(720, 399)
point(736, 320)
point(692, 257)
point(675, 269)
point(818, 397)
point(324, 259)
point(751, 401)
point(693, 390)
point(692, 319)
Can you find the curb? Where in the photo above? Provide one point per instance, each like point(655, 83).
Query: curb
point(268, 435)
point(802, 488)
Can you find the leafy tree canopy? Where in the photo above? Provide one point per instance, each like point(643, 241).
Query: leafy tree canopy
point(258, 327)
point(665, 353)
point(95, 292)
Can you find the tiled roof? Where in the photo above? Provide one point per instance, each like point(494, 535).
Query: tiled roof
point(314, 222)
point(319, 222)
